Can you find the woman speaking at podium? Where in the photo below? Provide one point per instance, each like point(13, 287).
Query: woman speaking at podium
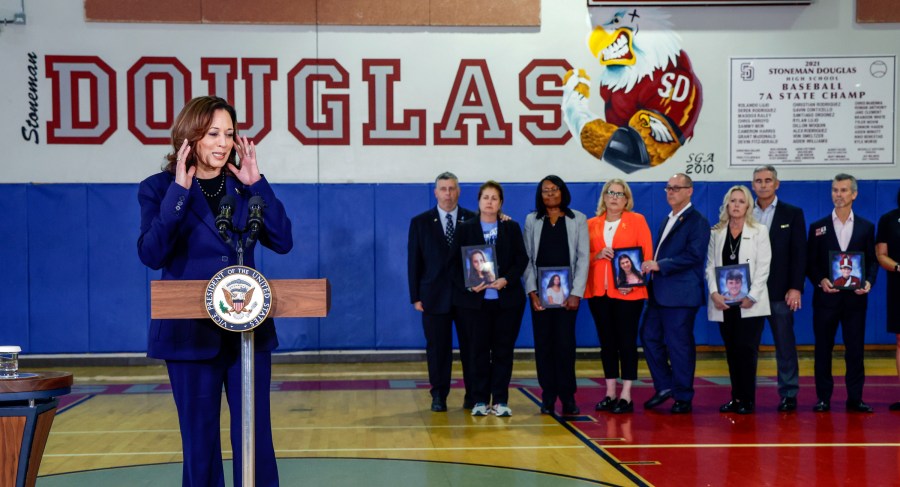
point(179, 236)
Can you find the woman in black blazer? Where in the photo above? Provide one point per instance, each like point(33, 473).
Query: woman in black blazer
point(492, 312)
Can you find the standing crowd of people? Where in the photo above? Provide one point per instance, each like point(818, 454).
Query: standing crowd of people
point(747, 268)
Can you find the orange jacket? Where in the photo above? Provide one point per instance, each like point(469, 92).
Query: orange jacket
point(632, 232)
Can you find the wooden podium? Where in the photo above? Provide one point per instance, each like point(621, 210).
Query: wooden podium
point(27, 408)
point(291, 298)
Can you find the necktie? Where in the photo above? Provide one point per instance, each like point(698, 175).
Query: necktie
point(449, 233)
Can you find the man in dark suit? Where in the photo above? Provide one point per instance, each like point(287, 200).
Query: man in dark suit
point(428, 267)
point(676, 292)
point(845, 232)
point(786, 224)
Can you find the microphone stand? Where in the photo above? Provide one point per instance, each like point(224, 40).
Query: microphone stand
point(248, 406)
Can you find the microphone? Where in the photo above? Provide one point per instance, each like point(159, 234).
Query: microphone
point(255, 219)
point(223, 221)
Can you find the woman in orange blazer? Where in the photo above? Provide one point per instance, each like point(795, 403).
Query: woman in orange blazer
point(616, 310)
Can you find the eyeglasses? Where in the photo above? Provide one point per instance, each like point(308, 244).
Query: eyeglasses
point(675, 189)
point(549, 190)
point(615, 194)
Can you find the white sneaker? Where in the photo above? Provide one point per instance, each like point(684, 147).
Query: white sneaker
point(502, 410)
point(480, 409)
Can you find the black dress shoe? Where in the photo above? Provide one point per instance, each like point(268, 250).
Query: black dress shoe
point(681, 407)
point(606, 404)
point(623, 406)
point(787, 404)
point(439, 405)
point(729, 407)
point(822, 407)
point(894, 407)
point(859, 407)
point(571, 409)
point(546, 410)
point(745, 407)
point(657, 399)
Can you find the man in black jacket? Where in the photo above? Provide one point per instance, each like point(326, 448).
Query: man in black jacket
point(428, 267)
point(786, 226)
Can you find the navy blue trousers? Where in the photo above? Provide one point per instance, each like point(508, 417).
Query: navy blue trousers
point(197, 388)
point(669, 347)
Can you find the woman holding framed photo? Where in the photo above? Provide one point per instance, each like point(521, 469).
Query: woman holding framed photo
point(616, 307)
point(555, 237)
point(491, 312)
point(739, 239)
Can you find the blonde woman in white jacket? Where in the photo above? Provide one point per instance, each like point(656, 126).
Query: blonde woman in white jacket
point(739, 239)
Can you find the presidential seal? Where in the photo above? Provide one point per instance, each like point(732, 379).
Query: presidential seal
point(238, 298)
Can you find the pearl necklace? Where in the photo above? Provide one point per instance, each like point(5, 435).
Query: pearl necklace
point(218, 191)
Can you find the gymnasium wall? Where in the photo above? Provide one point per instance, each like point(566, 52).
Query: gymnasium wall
point(353, 119)
point(86, 290)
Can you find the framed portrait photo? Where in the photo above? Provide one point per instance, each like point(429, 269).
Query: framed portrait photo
point(627, 267)
point(733, 282)
point(479, 264)
point(554, 285)
point(848, 269)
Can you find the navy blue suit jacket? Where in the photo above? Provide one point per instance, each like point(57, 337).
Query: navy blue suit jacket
point(682, 261)
point(429, 260)
point(179, 236)
point(821, 241)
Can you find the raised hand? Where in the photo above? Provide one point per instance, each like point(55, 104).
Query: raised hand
point(249, 170)
point(184, 176)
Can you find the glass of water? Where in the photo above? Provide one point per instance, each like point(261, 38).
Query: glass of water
point(9, 361)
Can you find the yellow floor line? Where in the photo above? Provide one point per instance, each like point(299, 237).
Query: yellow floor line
point(328, 450)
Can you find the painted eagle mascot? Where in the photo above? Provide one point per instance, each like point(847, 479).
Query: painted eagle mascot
point(652, 96)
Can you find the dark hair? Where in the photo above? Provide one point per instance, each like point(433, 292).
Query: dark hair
point(539, 206)
point(622, 277)
point(550, 282)
point(192, 123)
point(734, 275)
point(490, 183)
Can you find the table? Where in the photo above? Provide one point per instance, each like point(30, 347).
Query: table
point(27, 408)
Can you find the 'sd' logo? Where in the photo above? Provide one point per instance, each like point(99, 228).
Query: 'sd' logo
point(238, 298)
